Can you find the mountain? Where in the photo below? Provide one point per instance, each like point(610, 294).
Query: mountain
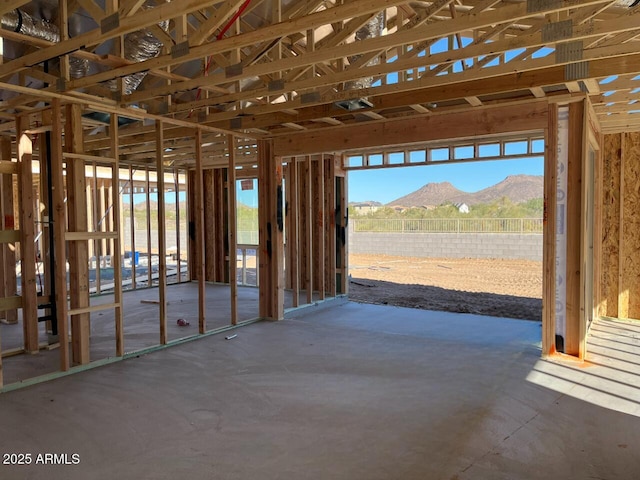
point(517, 188)
point(432, 194)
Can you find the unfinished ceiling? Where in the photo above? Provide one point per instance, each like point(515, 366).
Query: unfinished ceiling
point(265, 68)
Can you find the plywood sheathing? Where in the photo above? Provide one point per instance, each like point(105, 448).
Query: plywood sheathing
point(629, 288)
point(611, 157)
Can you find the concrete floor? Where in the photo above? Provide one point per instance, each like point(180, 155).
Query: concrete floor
point(345, 391)
point(141, 324)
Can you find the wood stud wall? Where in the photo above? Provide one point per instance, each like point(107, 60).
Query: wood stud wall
point(620, 261)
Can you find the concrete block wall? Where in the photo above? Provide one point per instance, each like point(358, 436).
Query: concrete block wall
point(448, 245)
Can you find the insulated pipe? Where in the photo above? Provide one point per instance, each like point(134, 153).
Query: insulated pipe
point(22, 22)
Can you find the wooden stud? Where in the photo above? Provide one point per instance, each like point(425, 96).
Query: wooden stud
point(330, 225)
point(27, 229)
point(162, 241)
point(116, 254)
point(293, 259)
point(549, 234)
point(148, 220)
point(7, 222)
point(78, 250)
point(342, 257)
point(233, 244)
point(271, 225)
point(132, 227)
point(319, 226)
point(209, 226)
point(197, 206)
point(59, 224)
point(309, 233)
point(176, 187)
point(574, 229)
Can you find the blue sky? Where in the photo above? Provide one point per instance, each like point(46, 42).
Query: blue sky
point(385, 185)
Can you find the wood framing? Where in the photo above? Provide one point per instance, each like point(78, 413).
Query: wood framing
point(78, 249)
point(271, 226)
point(232, 228)
point(162, 241)
point(549, 235)
point(8, 223)
point(27, 237)
point(198, 248)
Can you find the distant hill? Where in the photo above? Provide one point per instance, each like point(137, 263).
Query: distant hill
point(517, 188)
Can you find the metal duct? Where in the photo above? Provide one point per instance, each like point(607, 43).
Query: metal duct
point(138, 47)
point(21, 22)
point(372, 29)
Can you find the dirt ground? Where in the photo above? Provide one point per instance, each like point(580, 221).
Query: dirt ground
point(501, 288)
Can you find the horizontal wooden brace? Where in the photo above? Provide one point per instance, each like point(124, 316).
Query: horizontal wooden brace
point(94, 308)
point(7, 167)
point(80, 236)
point(9, 236)
point(89, 158)
point(10, 303)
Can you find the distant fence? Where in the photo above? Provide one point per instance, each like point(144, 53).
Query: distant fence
point(440, 244)
point(448, 225)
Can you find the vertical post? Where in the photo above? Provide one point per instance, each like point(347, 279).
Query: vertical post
point(293, 261)
point(162, 244)
point(549, 233)
point(116, 259)
point(78, 250)
point(59, 224)
point(198, 209)
point(176, 187)
point(309, 232)
point(233, 244)
point(574, 229)
point(148, 220)
point(7, 221)
point(318, 201)
point(330, 225)
point(271, 221)
point(27, 238)
point(132, 223)
point(209, 225)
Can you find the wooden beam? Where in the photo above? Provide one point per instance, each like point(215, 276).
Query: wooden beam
point(78, 249)
point(27, 229)
point(58, 212)
point(531, 116)
point(233, 243)
point(162, 240)
point(198, 208)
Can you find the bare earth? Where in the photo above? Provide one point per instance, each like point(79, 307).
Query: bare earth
point(500, 288)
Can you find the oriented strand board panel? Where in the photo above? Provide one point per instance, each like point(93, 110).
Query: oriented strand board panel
point(630, 254)
point(611, 155)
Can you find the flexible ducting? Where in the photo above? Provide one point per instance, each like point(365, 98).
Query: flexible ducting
point(373, 28)
point(23, 23)
point(139, 46)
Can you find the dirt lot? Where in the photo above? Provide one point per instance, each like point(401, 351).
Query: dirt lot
point(502, 288)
